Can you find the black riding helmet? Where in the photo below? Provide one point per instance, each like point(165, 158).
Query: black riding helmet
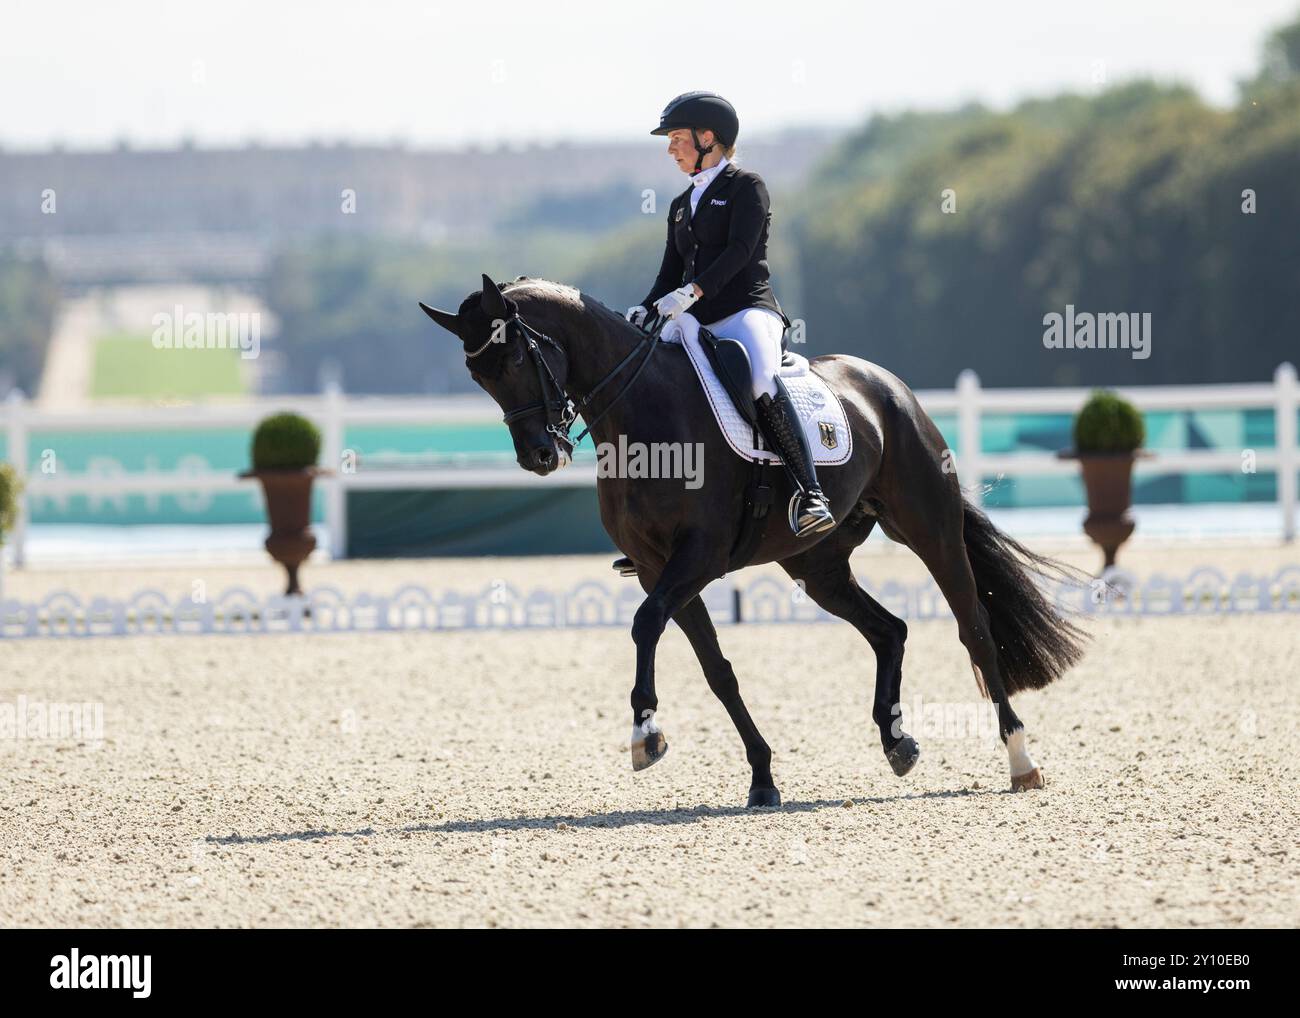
point(706, 111)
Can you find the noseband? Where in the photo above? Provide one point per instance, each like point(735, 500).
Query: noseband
point(559, 407)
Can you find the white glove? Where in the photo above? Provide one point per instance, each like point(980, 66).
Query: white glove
point(670, 305)
point(636, 315)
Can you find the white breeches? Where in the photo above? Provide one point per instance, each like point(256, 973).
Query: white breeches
point(760, 331)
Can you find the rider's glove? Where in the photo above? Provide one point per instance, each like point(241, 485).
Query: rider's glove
point(673, 304)
point(637, 315)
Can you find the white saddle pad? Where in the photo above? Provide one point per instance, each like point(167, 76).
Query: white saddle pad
point(819, 409)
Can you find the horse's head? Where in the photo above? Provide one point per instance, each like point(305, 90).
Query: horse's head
point(524, 374)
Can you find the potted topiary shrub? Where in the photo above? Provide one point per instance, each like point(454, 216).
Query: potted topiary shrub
point(1108, 437)
point(10, 487)
point(285, 449)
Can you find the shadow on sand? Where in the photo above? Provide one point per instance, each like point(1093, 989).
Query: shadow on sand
point(614, 819)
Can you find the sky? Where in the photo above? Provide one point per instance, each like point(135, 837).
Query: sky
point(151, 73)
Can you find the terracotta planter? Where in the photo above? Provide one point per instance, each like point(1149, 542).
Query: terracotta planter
point(1108, 481)
point(287, 495)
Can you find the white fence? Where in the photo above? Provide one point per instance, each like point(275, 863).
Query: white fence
point(334, 412)
point(237, 611)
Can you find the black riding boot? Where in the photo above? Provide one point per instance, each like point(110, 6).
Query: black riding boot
point(810, 511)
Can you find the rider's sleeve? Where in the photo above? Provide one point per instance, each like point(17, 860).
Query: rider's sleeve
point(748, 217)
point(670, 272)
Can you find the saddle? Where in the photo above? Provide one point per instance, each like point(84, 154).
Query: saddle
point(730, 361)
point(722, 366)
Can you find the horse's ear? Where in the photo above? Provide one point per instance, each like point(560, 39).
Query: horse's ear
point(446, 319)
point(493, 302)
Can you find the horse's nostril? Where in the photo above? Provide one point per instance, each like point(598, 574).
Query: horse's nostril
point(544, 457)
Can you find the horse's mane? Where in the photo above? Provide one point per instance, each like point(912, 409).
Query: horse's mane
point(550, 292)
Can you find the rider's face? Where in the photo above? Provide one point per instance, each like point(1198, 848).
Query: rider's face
point(682, 149)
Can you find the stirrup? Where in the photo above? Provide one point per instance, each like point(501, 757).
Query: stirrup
point(809, 513)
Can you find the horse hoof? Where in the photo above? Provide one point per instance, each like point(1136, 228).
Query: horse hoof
point(763, 797)
point(1024, 782)
point(649, 750)
point(903, 756)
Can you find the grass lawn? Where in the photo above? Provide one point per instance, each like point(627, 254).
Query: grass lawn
point(132, 366)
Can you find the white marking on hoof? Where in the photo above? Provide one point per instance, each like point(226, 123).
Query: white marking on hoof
point(1021, 761)
point(648, 742)
point(1024, 772)
point(648, 725)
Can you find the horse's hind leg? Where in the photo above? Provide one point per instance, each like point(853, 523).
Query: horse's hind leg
point(824, 572)
point(935, 534)
point(946, 558)
point(695, 623)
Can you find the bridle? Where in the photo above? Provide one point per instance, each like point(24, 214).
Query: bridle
point(559, 407)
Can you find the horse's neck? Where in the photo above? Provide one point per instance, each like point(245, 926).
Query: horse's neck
point(592, 357)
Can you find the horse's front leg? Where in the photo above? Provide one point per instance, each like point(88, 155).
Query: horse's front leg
point(698, 627)
point(688, 570)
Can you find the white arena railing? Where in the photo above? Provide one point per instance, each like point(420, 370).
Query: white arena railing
point(1204, 591)
point(333, 412)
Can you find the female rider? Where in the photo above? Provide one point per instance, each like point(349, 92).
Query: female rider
point(715, 265)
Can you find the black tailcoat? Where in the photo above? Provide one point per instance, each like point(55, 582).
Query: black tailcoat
point(722, 248)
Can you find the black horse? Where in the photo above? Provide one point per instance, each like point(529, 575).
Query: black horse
point(531, 342)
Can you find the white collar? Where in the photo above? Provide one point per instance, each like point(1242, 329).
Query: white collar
point(705, 177)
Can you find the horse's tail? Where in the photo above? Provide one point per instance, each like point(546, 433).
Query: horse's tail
point(1036, 644)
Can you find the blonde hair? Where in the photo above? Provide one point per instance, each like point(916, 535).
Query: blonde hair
point(727, 150)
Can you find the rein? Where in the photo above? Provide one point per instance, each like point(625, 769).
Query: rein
point(559, 407)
